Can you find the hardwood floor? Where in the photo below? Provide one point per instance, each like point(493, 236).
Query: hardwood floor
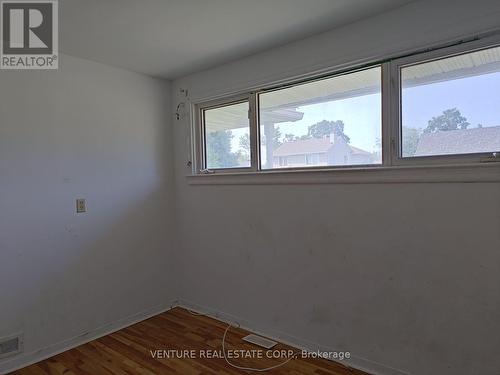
point(129, 351)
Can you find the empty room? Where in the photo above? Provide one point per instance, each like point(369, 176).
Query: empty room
point(223, 187)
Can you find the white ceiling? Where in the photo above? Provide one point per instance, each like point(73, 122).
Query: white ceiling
point(171, 38)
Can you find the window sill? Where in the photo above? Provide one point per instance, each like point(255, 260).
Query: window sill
point(467, 173)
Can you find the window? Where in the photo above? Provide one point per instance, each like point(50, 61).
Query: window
point(451, 106)
point(437, 107)
point(227, 136)
point(329, 122)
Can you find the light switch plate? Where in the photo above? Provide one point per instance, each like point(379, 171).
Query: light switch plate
point(80, 206)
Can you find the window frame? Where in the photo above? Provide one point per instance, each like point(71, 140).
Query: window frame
point(200, 134)
point(391, 121)
point(396, 67)
point(315, 78)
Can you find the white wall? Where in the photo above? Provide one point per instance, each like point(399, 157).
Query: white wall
point(404, 275)
point(84, 131)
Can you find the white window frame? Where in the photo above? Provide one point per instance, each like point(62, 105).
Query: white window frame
point(329, 75)
point(391, 119)
point(396, 105)
point(200, 138)
point(199, 152)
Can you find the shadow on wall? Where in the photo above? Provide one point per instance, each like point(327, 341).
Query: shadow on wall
point(94, 132)
point(83, 271)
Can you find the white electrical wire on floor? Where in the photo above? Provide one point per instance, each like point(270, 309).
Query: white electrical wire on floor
point(237, 325)
point(195, 313)
point(248, 368)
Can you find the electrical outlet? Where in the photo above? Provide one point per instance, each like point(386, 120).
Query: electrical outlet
point(80, 206)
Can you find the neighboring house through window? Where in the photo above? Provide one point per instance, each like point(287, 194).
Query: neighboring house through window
point(329, 150)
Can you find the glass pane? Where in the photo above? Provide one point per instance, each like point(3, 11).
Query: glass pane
point(227, 136)
point(452, 105)
point(331, 122)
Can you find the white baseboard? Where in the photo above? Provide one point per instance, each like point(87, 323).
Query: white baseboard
point(359, 363)
point(25, 359)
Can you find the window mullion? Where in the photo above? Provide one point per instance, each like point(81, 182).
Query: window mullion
point(253, 116)
point(394, 111)
point(387, 115)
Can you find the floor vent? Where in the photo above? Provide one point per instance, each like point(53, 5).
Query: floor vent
point(10, 345)
point(260, 341)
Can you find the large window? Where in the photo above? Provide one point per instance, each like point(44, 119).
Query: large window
point(451, 106)
point(438, 107)
point(329, 122)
